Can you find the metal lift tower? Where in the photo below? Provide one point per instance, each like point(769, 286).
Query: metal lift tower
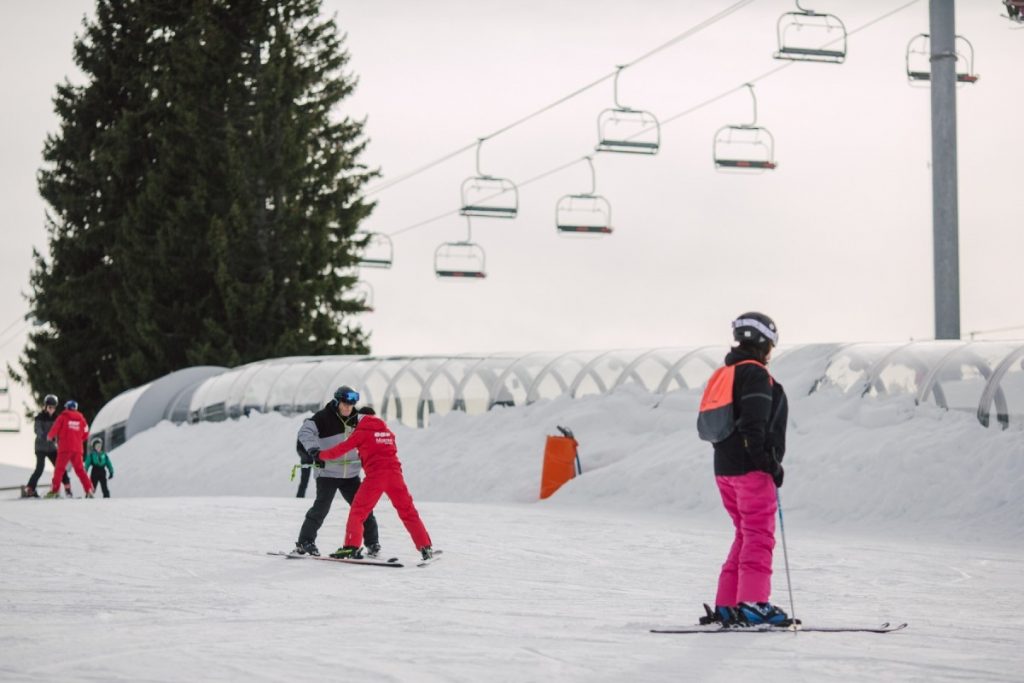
point(944, 182)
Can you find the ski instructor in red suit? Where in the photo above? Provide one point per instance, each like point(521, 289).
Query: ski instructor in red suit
point(70, 431)
point(379, 455)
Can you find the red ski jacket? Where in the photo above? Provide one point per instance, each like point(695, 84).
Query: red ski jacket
point(70, 430)
point(376, 444)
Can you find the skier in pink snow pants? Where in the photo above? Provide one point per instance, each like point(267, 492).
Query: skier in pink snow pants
point(744, 413)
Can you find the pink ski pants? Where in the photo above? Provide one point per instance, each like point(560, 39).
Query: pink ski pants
point(751, 502)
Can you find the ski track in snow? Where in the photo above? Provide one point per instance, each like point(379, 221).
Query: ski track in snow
point(180, 589)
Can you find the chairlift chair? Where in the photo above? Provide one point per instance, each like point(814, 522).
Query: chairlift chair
point(809, 36)
point(626, 130)
point(463, 259)
point(379, 251)
point(488, 196)
point(1014, 10)
point(919, 59)
point(744, 147)
point(584, 214)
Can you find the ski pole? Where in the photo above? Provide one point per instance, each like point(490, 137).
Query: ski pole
point(785, 555)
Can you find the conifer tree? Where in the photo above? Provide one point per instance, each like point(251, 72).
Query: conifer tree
point(204, 196)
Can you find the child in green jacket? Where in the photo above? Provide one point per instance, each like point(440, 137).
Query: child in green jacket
point(99, 462)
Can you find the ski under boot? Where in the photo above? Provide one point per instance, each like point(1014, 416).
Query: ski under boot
point(348, 552)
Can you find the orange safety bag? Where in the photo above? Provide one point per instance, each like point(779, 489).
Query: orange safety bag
point(716, 419)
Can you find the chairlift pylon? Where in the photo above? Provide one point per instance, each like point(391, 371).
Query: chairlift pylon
point(919, 59)
point(809, 36)
point(379, 251)
point(626, 130)
point(587, 213)
point(488, 196)
point(463, 259)
point(744, 146)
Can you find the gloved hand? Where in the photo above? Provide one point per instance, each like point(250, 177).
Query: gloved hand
point(314, 457)
point(778, 474)
point(111, 476)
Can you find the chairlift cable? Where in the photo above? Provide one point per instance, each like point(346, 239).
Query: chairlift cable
point(766, 74)
point(693, 30)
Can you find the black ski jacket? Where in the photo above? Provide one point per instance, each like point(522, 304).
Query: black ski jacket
point(43, 423)
point(761, 412)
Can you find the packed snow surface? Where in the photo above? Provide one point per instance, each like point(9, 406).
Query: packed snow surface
point(893, 512)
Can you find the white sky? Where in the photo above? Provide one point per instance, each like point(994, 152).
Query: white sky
point(883, 522)
point(835, 244)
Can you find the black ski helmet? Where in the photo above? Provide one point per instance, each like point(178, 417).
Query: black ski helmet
point(755, 329)
point(50, 400)
point(346, 394)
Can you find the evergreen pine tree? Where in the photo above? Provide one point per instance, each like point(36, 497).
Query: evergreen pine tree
point(203, 193)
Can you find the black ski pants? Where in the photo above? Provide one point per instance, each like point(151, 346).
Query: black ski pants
point(41, 459)
point(326, 487)
point(98, 476)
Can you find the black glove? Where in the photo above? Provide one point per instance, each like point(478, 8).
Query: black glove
point(314, 457)
point(111, 476)
point(778, 474)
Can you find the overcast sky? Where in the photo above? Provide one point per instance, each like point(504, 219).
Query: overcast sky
point(835, 243)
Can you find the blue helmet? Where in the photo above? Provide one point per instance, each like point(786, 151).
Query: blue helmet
point(71, 405)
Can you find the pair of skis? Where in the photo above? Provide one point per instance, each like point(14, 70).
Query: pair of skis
point(711, 623)
point(369, 561)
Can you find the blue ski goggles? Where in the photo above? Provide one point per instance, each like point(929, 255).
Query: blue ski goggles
point(350, 397)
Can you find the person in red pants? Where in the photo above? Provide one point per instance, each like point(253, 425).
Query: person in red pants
point(70, 431)
point(379, 455)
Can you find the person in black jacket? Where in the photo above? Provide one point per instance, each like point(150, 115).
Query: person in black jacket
point(748, 470)
point(45, 449)
point(326, 428)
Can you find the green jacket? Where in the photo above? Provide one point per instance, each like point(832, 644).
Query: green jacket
point(94, 459)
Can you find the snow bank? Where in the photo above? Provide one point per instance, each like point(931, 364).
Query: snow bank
point(851, 464)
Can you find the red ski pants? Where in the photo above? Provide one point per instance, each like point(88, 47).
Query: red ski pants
point(751, 502)
point(373, 487)
point(77, 462)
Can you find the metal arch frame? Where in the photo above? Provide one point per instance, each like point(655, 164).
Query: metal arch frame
point(967, 76)
point(565, 228)
point(988, 396)
point(524, 377)
point(502, 185)
point(549, 369)
point(627, 146)
point(701, 352)
point(744, 165)
point(386, 245)
point(871, 375)
point(588, 371)
point(391, 389)
point(425, 403)
point(978, 362)
point(630, 369)
point(469, 244)
point(819, 54)
point(333, 382)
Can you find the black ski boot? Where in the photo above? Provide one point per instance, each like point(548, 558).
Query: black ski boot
point(373, 550)
point(348, 552)
point(306, 548)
